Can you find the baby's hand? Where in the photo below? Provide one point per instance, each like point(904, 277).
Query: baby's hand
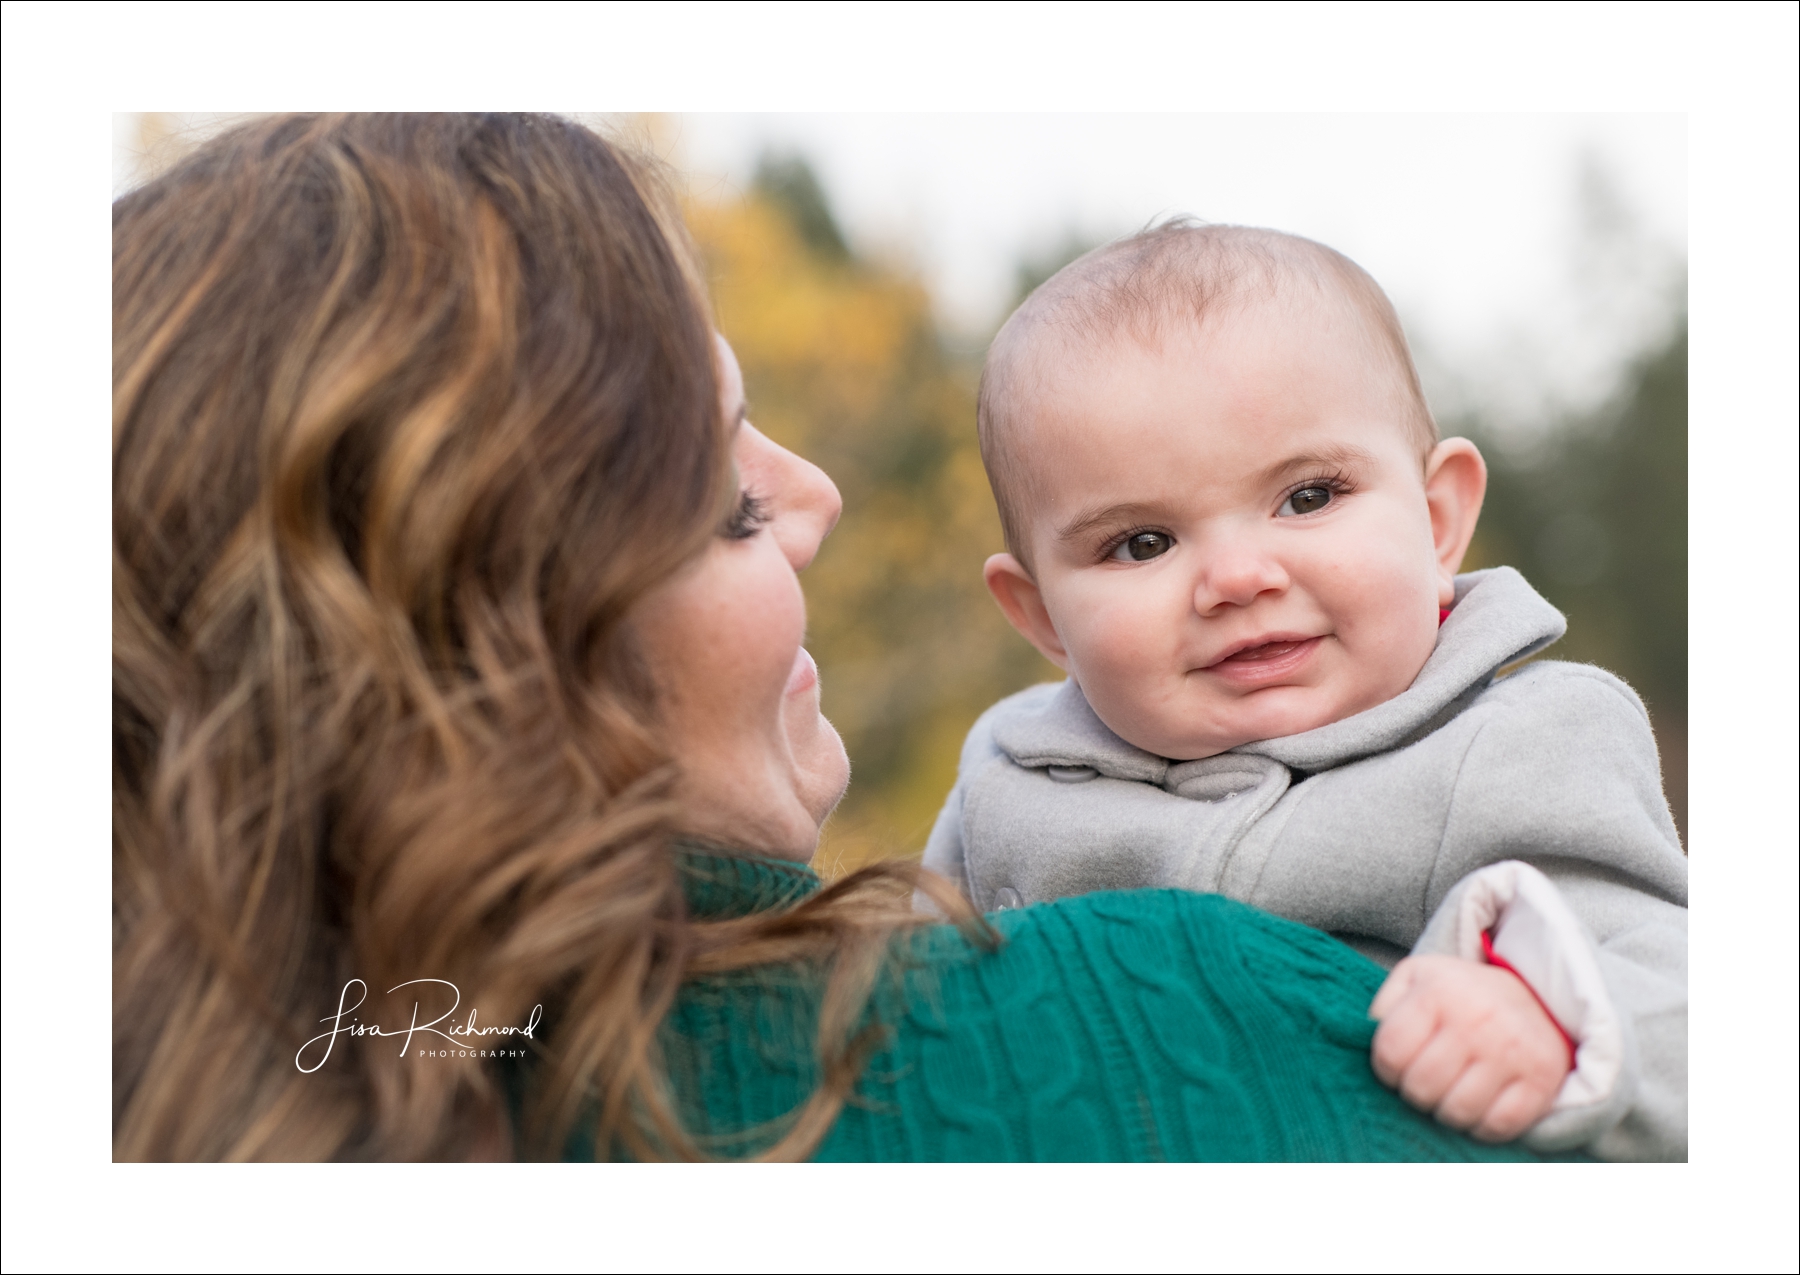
point(1468, 1043)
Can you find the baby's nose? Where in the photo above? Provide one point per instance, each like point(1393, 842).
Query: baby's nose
point(1236, 576)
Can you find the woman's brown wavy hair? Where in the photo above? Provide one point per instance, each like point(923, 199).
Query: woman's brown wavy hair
point(408, 412)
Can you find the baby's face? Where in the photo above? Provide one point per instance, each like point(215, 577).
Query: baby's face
point(1232, 537)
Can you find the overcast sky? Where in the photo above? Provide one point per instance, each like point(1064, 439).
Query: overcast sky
point(1530, 255)
point(1515, 286)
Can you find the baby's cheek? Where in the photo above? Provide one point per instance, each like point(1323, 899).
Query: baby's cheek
point(1122, 655)
point(1385, 615)
point(1123, 641)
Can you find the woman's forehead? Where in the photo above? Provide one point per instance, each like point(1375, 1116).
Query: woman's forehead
point(731, 377)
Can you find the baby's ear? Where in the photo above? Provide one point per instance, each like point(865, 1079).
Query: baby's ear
point(1023, 604)
point(1455, 483)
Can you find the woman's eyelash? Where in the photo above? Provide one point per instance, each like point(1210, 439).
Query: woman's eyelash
point(749, 517)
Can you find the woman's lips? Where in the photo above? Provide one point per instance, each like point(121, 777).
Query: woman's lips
point(805, 673)
point(1267, 661)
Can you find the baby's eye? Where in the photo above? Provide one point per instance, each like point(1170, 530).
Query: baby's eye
point(1305, 501)
point(1142, 546)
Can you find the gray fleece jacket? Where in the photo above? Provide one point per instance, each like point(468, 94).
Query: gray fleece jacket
point(1528, 805)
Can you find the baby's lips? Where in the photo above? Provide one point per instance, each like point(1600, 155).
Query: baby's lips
point(1270, 647)
point(1266, 651)
point(1265, 663)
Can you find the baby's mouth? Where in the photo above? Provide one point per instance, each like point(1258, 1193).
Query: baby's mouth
point(1266, 651)
point(1266, 661)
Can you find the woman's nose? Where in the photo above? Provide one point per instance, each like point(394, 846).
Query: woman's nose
point(1236, 575)
point(803, 503)
point(810, 505)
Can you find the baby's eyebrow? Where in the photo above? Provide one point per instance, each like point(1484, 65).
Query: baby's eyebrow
point(1088, 520)
point(1332, 456)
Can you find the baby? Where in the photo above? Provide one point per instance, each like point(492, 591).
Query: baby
point(1232, 522)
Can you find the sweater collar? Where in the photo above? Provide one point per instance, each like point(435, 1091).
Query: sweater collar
point(722, 883)
point(1497, 619)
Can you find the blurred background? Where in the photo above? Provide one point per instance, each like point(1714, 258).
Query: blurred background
point(860, 264)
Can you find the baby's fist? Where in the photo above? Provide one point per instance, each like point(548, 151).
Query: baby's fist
point(1468, 1043)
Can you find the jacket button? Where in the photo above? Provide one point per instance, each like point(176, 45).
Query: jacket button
point(1006, 898)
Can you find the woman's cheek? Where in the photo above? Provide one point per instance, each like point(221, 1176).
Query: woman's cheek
point(774, 615)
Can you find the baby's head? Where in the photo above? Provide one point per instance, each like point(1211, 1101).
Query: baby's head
point(1229, 514)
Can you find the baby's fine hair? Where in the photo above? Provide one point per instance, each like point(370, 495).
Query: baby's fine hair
point(1178, 272)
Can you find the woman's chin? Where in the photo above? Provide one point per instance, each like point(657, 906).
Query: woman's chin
point(825, 774)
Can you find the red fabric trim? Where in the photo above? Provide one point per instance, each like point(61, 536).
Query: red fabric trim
point(1443, 614)
point(1500, 962)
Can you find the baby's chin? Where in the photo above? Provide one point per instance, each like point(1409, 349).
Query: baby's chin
point(1284, 711)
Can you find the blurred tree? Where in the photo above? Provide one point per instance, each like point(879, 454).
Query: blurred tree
point(1036, 268)
point(1595, 516)
point(844, 363)
point(789, 183)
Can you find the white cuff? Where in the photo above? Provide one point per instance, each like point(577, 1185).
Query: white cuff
point(1535, 930)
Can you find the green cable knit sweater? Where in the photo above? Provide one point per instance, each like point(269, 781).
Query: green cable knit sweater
point(1148, 1025)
